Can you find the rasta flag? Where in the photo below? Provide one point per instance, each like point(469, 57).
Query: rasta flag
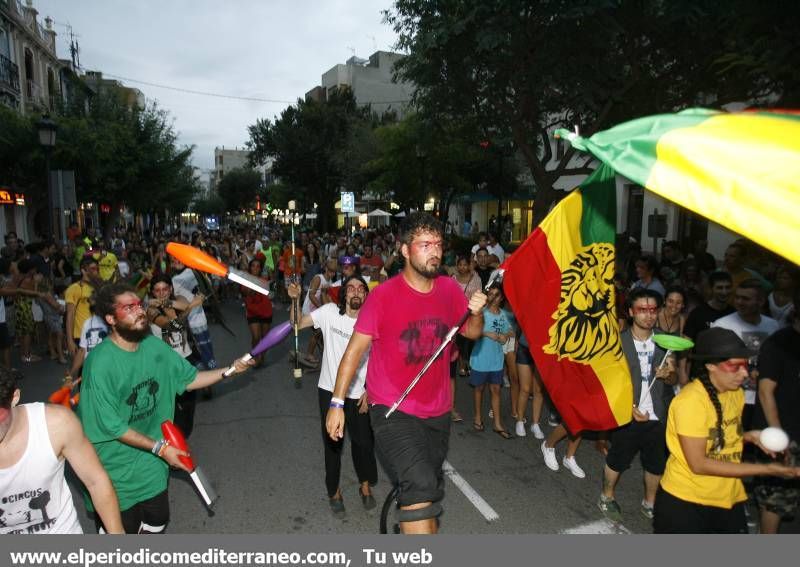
point(560, 283)
point(741, 169)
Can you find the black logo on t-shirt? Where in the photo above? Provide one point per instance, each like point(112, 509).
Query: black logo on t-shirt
point(22, 520)
point(421, 339)
point(142, 400)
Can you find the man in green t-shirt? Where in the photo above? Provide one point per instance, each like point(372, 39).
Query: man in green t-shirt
point(129, 388)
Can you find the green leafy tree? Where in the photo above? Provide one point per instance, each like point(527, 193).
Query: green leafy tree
point(211, 205)
point(519, 68)
point(306, 142)
point(239, 188)
point(125, 156)
point(22, 162)
point(418, 159)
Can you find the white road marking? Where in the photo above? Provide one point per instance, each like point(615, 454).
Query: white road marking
point(471, 494)
point(598, 527)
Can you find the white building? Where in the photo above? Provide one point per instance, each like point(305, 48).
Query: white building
point(227, 159)
point(370, 81)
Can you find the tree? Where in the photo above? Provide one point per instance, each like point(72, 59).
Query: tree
point(125, 155)
point(519, 68)
point(209, 206)
point(22, 162)
point(306, 141)
point(239, 188)
point(417, 160)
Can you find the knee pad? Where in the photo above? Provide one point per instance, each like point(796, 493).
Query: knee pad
point(431, 511)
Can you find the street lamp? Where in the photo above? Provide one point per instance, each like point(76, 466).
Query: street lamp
point(47, 139)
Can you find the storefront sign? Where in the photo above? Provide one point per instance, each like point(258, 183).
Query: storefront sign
point(8, 197)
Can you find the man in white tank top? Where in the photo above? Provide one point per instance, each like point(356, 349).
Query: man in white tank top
point(35, 439)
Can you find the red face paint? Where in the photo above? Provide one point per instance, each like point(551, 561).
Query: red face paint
point(4, 414)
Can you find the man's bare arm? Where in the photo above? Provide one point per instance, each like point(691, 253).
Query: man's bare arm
point(69, 442)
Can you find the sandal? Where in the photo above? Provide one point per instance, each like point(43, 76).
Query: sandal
point(503, 433)
point(477, 426)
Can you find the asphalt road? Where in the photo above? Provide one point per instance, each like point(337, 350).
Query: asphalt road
point(258, 440)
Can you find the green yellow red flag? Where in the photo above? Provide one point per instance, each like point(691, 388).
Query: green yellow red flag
point(740, 170)
point(560, 283)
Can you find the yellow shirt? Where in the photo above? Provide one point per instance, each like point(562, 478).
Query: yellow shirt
point(692, 414)
point(78, 294)
point(106, 263)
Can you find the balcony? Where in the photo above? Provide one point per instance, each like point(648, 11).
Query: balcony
point(9, 74)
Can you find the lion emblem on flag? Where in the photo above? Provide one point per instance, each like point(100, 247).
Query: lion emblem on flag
point(585, 325)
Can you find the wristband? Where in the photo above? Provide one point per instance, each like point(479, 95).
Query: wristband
point(159, 447)
point(335, 400)
point(163, 448)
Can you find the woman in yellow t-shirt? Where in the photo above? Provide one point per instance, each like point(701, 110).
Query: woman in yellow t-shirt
point(701, 490)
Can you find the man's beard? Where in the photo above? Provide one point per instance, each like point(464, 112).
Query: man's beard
point(355, 303)
point(424, 270)
point(132, 334)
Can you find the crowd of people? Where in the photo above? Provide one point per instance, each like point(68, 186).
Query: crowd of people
point(379, 303)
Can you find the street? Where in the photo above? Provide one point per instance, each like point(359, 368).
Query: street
point(258, 441)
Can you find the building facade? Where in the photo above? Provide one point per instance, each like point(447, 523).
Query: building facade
point(370, 81)
point(29, 67)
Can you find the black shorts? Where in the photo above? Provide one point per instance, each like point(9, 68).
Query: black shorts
point(524, 355)
point(260, 320)
point(148, 516)
point(676, 516)
point(412, 451)
point(647, 438)
point(5, 339)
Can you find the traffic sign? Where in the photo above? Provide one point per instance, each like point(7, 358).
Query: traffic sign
point(348, 202)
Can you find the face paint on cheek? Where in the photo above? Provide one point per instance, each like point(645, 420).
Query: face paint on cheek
point(4, 414)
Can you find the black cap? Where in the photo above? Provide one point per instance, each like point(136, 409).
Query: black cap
point(720, 344)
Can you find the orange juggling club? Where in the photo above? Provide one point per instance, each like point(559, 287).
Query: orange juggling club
point(176, 439)
point(61, 396)
point(199, 260)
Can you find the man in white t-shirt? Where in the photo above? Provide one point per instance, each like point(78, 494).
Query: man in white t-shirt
point(336, 322)
point(752, 327)
point(652, 394)
point(495, 249)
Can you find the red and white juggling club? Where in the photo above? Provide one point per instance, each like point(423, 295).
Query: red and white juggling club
point(199, 260)
point(202, 484)
point(275, 335)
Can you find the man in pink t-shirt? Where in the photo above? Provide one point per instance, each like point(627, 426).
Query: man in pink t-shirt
point(402, 323)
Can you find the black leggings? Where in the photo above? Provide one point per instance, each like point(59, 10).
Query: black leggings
point(362, 444)
point(676, 516)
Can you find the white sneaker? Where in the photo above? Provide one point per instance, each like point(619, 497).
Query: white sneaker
point(549, 457)
point(572, 465)
point(537, 431)
point(491, 414)
point(520, 429)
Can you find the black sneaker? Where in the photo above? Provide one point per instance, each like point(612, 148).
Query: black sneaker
point(610, 508)
point(368, 500)
point(337, 507)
